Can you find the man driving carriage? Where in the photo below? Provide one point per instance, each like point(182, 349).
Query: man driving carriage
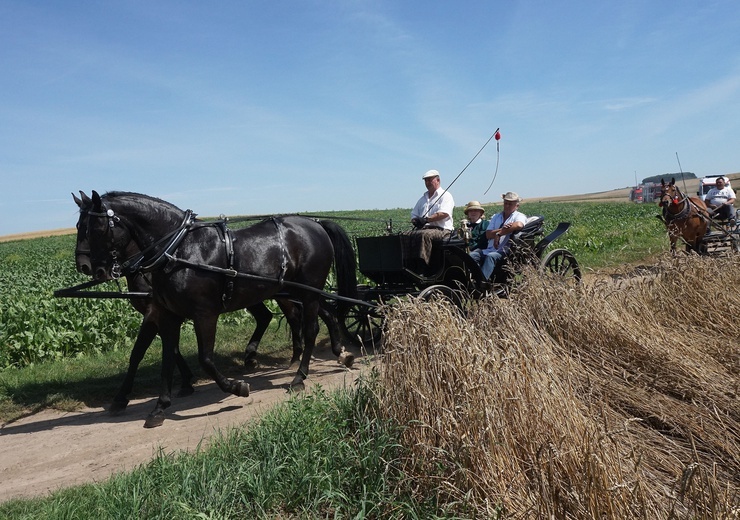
point(434, 209)
point(500, 229)
point(720, 200)
point(431, 218)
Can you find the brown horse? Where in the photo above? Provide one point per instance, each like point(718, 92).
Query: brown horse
point(685, 217)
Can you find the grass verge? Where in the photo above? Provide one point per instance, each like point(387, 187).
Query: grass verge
point(319, 455)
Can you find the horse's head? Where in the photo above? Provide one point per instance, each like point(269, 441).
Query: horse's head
point(102, 238)
point(82, 248)
point(669, 194)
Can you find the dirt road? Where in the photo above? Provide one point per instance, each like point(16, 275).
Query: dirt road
point(51, 449)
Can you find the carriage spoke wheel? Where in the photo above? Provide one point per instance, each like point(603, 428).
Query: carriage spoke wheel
point(735, 242)
point(561, 262)
point(459, 298)
point(362, 325)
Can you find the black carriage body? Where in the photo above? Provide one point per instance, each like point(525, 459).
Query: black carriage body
point(382, 260)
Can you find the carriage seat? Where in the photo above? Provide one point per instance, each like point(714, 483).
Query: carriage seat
point(456, 242)
point(532, 228)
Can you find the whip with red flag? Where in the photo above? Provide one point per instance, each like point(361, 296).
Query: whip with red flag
point(497, 136)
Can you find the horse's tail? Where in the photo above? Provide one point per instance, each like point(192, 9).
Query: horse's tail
point(344, 259)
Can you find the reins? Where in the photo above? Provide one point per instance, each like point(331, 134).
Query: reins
point(285, 283)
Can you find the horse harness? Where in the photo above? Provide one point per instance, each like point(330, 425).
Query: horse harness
point(684, 213)
point(166, 260)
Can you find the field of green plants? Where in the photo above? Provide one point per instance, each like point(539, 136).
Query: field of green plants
point(36, 327)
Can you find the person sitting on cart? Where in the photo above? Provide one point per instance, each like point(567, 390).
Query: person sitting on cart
point(434, 209)
point(720, 200)
point(431, 218)
point(475, 225)
point(499, 231)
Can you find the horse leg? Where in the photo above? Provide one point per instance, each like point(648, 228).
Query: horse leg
point(310, 331)
point(673, 237)
point(293, 313)
point(262, 318)
point(205, 332)
point(186, 375)
point(169, 331)
point(335, 336)
point(144, 338)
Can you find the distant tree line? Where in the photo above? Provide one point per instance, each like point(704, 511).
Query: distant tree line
point(668, 176)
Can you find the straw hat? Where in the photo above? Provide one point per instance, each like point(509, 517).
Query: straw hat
point(473, 204)
point(430, 173)
point(511, 196)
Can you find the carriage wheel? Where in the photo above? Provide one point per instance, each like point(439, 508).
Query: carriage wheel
point(562, 262)
point(735, 241)
point(362, 325)
point(456, 297)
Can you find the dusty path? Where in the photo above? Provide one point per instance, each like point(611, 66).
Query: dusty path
point(52, 449)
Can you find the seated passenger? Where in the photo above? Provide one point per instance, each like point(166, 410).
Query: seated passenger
point(475, 225)
point(720, 200)
point(499, 231)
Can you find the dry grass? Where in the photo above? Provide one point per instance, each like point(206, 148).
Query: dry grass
point(616, 400)
point(37, 234)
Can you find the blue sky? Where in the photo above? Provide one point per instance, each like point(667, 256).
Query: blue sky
point(254, 107)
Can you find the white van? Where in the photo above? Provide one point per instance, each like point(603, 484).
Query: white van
point(708, 182)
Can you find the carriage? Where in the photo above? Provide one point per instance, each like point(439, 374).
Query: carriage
point(197, 270)
point(688, 219)
point(451, 273)
point(722, 237)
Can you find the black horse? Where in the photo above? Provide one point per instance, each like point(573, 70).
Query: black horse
point(141, 282)
point(200, 270)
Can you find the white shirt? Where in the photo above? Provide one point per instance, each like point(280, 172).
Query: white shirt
point(440, 202)
point(497, 222)
point(716, 197)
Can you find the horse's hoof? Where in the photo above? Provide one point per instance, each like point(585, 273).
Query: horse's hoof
point(152, 421)
point(346, 358)
point(250, 359)
point(186, 391)
point(297, 386)
point(242, 389)
point(118, 407)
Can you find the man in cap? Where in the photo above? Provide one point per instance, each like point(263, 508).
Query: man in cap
point(499, 231)
point(474, 226)
point(432, 220)
point(434, 208)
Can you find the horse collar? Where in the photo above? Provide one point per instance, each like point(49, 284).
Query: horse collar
point(682, 214)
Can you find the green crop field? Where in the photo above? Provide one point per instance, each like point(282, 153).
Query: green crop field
point(36, 327)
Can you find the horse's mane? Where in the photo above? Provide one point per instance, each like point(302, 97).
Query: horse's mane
point(158, 208)
point(116, 194)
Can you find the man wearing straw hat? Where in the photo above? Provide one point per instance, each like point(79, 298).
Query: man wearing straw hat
point(474, 226)
point(500, 229)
